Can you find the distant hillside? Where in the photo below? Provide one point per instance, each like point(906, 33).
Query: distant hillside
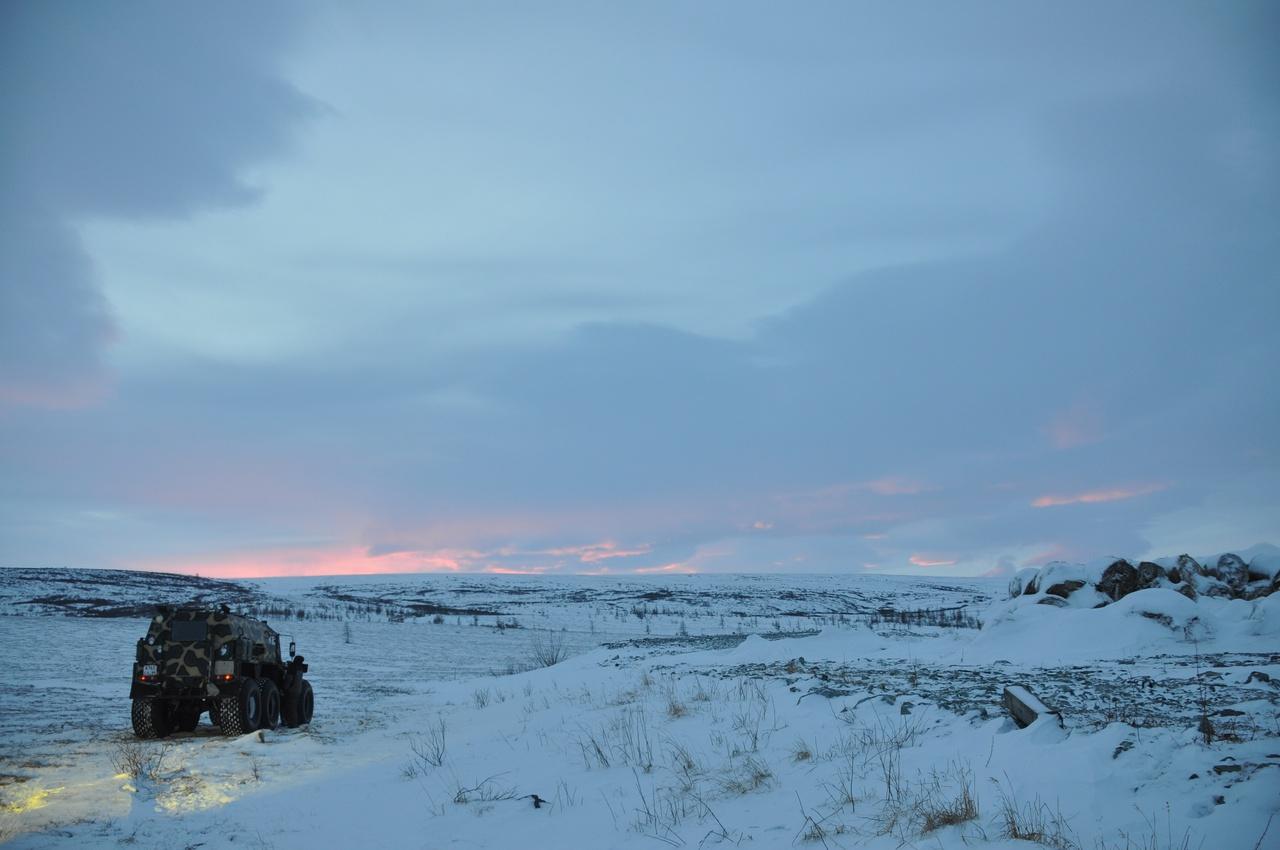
point(114, 593)
point(495, 600)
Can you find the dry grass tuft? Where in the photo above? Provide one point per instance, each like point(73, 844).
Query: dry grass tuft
point(138, 760)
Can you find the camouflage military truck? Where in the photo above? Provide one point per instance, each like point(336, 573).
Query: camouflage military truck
point(195, 660)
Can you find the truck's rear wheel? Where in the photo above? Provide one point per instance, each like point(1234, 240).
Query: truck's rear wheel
point(150, 718)
point(298, 704)
point(270, 704)
point(224, 706)
point(242, 714)
point(186, 717)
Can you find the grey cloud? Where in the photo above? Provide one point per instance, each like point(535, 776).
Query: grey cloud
point(144, 110)
point(1139, 286)
point(54, 322)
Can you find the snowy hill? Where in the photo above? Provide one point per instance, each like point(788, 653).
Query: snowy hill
point(111, 593)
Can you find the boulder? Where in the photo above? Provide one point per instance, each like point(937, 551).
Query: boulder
point(1188, 591)
point(1150, 575)
point(1192, 574)
point(1063, 589)
point(1187, 566)
point(1234, 571)
point(1056, 601)
point(1260, 571)
point(1020, 580)
point(1212, 587)
point(1025, 707)
point(1118, 580)
point(1257, 590)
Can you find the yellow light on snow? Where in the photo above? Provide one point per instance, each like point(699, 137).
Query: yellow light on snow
point(37, 799)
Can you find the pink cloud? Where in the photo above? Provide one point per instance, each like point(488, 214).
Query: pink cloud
point(674, 567)
point(66, 397)
point(317, 561)
point(929, 561)
point(513, 571)
point(593, 552)
point(1079, 425)
point(896, 486)
point(344, 559)
point(1090, 497)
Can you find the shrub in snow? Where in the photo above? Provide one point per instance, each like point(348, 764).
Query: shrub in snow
point(547, 649)
point(139, 761)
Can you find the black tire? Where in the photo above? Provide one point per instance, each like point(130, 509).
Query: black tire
point(306, 703)
point(289, 701)
point(150, 718)
point(221, 708)
point(299, 704)
point(241, 714)
point(270, 704)
point(186, 717)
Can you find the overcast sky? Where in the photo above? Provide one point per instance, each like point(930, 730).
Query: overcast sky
point(642, 287)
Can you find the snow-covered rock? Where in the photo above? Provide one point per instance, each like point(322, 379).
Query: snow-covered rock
point(1166, 607)
point(1119, 580)
point(1020, 581)
point(1253, 575)
point(1232, 570)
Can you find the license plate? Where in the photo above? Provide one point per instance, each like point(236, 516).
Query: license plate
point(148, 669)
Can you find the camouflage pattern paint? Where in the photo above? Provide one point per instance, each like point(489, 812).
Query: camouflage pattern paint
point(190, 661)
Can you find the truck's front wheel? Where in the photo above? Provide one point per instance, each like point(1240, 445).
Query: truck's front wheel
point(298, 703)
point(151, 718)
point(306, 703)
point(270, 696)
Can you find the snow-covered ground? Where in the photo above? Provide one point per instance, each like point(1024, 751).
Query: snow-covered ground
point(827, 725)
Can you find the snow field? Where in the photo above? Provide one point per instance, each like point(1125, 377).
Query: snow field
point(854, 737)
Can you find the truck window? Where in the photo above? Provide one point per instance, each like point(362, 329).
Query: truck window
point(187, 630)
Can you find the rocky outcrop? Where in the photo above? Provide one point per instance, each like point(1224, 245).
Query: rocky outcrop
point(1066, 585)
